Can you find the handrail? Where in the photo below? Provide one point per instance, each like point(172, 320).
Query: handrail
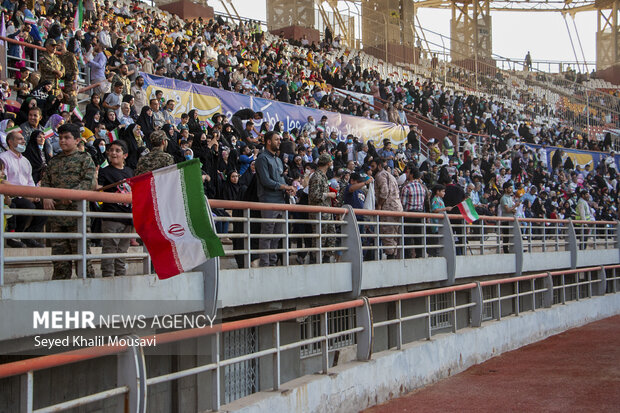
point(25, 44)
point(96, 196)
point(56, 360)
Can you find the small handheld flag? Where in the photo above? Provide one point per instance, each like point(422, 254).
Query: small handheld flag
point(48, 133)
point(31, 21)
point(210, 123)
point(65, 107)
point(77, 113)
point(468, 211)
point(61, 84)
point(113, 135)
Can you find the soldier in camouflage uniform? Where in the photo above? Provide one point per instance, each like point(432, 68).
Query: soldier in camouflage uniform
point(157, 158)
point(70, 169)
point(51, 67)
point(70, 64)
point(320, 195)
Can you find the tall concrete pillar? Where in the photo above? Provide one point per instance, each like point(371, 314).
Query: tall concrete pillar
point(387, 29)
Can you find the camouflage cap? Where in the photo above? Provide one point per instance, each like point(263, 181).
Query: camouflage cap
point(158, 137)
point(324, 159)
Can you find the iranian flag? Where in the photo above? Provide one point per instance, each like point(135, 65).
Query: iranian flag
point(210, 122)
point(113, 135)
point(171, 216)
point(77, 113)
point(31, 20)
point(48, 133)
point(78, 18)
point(468, 211)
point(65, 107)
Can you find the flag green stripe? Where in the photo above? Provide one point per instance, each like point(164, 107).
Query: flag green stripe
point(196, 208)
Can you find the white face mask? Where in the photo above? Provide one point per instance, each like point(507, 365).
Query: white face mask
point(20, 148)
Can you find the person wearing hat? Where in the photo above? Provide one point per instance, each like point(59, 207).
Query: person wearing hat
point(51, 67)
point(157, 158)
point(319, 194)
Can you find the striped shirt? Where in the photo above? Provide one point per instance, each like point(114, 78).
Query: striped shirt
point(412, 196)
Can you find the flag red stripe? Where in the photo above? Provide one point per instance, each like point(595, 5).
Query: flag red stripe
point(464, 213)
point(160, 248)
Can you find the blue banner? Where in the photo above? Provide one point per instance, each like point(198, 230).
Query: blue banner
point(208, 101)
point(578, 157)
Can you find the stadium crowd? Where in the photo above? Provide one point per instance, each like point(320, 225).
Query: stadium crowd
point(123, 132)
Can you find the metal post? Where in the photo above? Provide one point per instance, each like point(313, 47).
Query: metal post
point(363, 318)
point(276, 356)
point(82, 245)
point(286, 257)
point(354, 252)
point(247, 258)
point(26, 393)
point(517, 241)
point(449, 249)
point(572, 244)
point(601, 285)
point(215, 373)
point(399, 329)
point(325, 346)
point(131, 372)
point(547, 301)
point(476, 311)
point(36, 60)
point(429, 329)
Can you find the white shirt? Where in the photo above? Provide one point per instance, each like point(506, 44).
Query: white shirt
point(17, 168)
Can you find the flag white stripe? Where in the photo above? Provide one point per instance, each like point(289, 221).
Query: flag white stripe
point(168, 187)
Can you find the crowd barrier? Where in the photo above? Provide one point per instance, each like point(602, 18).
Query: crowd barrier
point(318, 235)
point(476, 302)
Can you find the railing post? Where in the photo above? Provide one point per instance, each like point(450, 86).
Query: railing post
point(518, 246)
point(617, 238)
point(600, 287)
point(1, 239)
point(215, 373)
point(131, 372)
point(325, 346)
point(276, 356)
point(363, 318)
point(82, 247)
point(36, 59)
point(26, 393)
point(354, 252)
point(286, 256)
point(449, 250)
point(247, 257)
point(572, 244)
point(476, 311)
point(547, 301)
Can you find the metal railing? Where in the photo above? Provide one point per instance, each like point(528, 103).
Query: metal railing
point(316, 235)
point(462, 306)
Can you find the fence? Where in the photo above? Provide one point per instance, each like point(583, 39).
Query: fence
point(317, 235)
point(442, 308)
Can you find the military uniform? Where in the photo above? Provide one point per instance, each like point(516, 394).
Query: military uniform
point(74, 171)
point(48, 64)
point(317, 188)
point(154, 160)
point(125, 81)
point(70, 64)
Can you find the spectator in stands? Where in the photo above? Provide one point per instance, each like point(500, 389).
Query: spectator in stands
point(38, 153)
point(32, 124)
point(507, 208)
point(272, 189)
point(319, 194)
point(51, 67)
point(583, 213)
point(113, 178)
point(18, 171)
point(388, 199)
point(70, 169)
point(413, 197)
point(437, 207)
point(157, 158)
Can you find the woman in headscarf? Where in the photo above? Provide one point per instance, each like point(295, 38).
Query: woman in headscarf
point(110, 120)
point(4, 125)
point(22, 114)
point(194, 124)
point(145, 121)
point(93, 106)
point(173, 144)
point(55, 121)
point(132, 135)
point(38, 153)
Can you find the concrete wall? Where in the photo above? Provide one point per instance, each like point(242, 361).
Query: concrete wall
point(357, 385)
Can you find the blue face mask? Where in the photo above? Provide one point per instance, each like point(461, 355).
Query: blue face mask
point(102, 134)
point(188, 157)
point(41, 147)
point(102, 148)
